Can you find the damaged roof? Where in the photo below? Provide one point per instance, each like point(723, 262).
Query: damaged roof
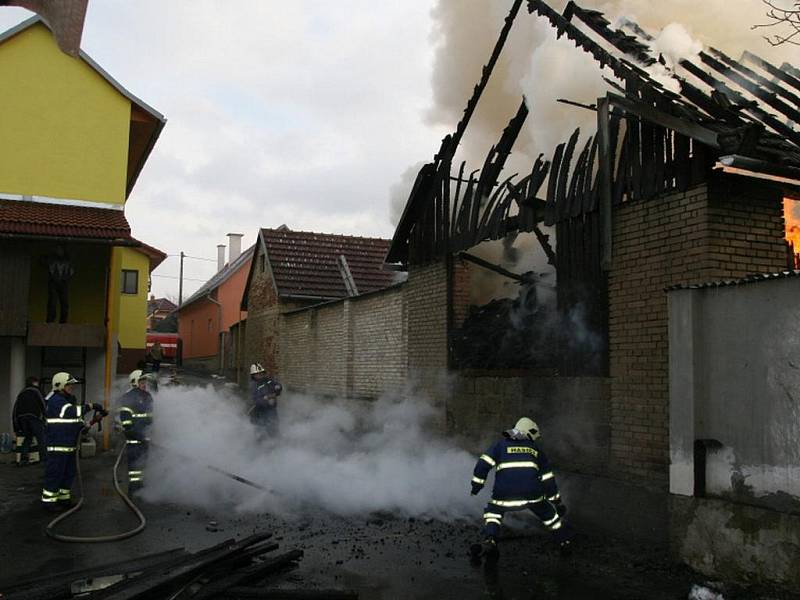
point(753, 278)
point(26, 218)
point(749, 107)
point(306, 264)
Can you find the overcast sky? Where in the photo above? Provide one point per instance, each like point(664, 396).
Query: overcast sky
point(301, 113)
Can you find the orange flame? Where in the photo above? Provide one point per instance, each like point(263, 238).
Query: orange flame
point(792, 229)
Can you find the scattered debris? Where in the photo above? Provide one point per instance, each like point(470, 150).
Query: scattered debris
point(701, 592)
point(231, 569)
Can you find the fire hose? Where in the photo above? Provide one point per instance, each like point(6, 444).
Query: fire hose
point(50, 529)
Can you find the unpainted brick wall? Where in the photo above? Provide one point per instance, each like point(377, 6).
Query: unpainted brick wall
point(354, 347)
point(262, 318)
point(724, 229)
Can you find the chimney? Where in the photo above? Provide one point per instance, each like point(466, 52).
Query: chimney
point(220, 257)
point(235, 246)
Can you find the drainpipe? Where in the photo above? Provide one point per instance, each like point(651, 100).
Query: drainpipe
point(219, 324)
point(109, 341)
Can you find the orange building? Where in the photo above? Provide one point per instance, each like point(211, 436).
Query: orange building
point(209, 319)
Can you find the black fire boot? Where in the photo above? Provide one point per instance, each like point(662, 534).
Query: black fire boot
point(565, 548)
point(487, 549)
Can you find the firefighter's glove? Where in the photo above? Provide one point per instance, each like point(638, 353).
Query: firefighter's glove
point(99, 408)
point(476, 487)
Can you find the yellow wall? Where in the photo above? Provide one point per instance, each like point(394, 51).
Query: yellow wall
point(133, 309)
point(64, 128)
point(87, 289)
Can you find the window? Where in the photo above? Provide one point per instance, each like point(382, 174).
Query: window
point(210, 324)
point(263, 260)
point(130, 282)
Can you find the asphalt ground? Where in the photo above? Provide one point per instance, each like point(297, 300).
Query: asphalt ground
point(381, 556)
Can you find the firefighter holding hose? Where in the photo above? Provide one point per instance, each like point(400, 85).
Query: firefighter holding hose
point(264, 393)
point(136, 416)
point(523, 480)
point(64, 425)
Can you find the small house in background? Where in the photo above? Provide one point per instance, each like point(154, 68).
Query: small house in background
point(296, 269)
point(158, 309)
point(209, 318)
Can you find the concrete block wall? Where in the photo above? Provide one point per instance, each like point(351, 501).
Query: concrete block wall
point(724, 229)
point(572, 413)
point(426, 302)
point(379, 344)
point(353, 347)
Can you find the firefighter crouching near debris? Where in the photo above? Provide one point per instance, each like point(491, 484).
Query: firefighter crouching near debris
point(64, 425)
point(523, 480)
point(264, 392)
point(136, 416)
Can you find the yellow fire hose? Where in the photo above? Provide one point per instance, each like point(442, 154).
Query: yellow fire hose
point(50, 530)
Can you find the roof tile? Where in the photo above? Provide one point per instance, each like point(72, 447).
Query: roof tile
point(61, 220)
point(305, 263)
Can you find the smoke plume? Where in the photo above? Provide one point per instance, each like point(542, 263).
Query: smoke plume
point(345, 457)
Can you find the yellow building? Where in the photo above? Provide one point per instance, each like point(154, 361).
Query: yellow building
point(74, 280)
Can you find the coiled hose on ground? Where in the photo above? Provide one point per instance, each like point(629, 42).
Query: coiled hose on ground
point(50, 529)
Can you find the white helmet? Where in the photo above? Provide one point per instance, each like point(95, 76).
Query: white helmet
point(256, 368)
point(528, 427)
point(135, 376)
point(62, 379)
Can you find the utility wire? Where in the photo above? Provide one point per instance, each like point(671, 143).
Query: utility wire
point(175, 277)
point(195, 257)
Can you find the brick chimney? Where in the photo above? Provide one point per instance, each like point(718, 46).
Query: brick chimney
point(220, 257)
point(234, 246)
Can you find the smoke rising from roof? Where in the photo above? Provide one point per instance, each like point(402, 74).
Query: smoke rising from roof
point(347, 457)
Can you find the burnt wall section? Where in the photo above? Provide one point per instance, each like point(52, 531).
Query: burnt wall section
point(572, 413)
point(355, 347)
point(724, 229)
point(737, 391)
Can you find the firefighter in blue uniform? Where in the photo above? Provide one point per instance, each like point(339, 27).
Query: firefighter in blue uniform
point(264, 393)
point(64, 425)
point(136, 416)
point(523, 480)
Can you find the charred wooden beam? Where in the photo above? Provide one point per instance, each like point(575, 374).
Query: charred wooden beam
point(760, 80)
point(780, 74)
point(544, 242)
point(486, 73)
point(257, 571)
point(490, 266)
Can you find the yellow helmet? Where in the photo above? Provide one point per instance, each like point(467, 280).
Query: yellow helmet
point(528, 427)
point(135, 376)
point(62, 379)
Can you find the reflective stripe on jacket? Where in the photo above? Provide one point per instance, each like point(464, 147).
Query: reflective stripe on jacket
point(522, 471)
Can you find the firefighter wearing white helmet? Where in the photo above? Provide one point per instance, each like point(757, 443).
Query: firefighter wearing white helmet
point(523, 480)
point(64, 424)
point(264, 392)
point(136, 417)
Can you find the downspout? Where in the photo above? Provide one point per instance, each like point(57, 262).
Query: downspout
point(109, 340)
point(220, 350)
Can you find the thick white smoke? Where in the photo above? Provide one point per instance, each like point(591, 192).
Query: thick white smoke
point(345, 457)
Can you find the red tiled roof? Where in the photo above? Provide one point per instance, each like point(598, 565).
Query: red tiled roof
point(61, 220)
point(305, 263)
point(160, 304)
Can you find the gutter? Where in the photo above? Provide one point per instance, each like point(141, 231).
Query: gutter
point(220, 349)
point(49, 238)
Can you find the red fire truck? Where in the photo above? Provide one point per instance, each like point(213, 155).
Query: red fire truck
point(170, 344)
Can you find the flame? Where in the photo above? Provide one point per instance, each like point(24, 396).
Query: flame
point(792, 229)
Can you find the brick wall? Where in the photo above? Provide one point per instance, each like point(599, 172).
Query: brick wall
point(354, 347)
point(724, 229)
point(262, 317)
point(572, 413)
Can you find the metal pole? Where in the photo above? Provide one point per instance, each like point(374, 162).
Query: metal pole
point(180, 284)
point(605, 174)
